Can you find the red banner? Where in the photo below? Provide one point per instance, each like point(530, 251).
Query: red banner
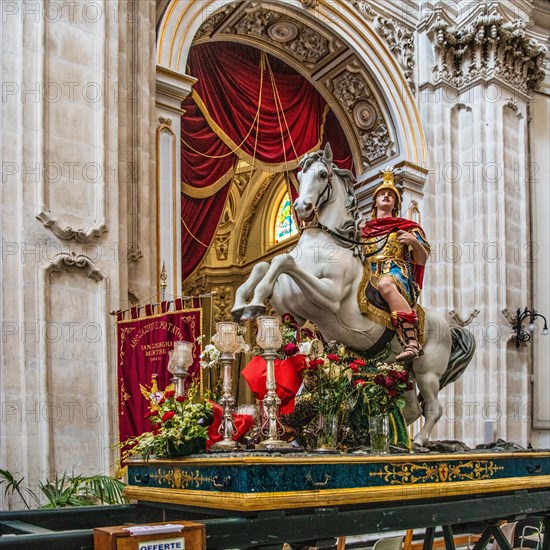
point(143, 345)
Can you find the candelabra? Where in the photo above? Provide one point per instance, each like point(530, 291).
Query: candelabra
point(180, 359)
point(521, 335)
point(228, 341)
point(269, 339)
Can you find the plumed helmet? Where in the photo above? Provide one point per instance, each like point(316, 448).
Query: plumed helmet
point(387, 184)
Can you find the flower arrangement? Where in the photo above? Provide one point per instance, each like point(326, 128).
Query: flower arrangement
point(382, 387)
point(338, 382)
point(176, 420)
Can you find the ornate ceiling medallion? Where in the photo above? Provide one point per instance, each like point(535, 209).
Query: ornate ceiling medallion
point(364, 115)
point(283, 31)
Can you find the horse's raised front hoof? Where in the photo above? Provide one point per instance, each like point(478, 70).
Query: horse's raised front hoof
point(251, 312)
point(237, 314)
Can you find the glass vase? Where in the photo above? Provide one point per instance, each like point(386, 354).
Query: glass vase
point(379, 432)
point(327, 433)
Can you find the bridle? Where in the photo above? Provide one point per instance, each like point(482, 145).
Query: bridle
point(314, 222)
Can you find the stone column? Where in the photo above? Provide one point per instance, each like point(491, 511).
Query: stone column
point(172, 89)
point(473, 100)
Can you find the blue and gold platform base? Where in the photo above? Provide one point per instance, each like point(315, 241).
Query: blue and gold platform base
point(255, 482)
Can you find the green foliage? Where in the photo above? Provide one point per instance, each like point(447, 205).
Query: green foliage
point(175, 419)
point(67, 490)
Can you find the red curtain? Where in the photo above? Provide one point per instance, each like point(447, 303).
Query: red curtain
point(222, 123)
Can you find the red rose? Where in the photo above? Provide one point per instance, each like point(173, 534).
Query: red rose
point(181, 398)
point(360, 362)
point(315, 363)
point(333, 357)
point(379, 379)
point(357, 383)
point(161, 400)
point(354, 367)
point(290, 349)
point(393, 393)
point(388, 382)
point(169, 393)
point(402, 375)
point(167, 415)
point(151, 413)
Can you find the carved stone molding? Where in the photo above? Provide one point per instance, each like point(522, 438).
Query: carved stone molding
point(490, 47)
point(352, 90)
point(220, 246)
point(247, 225)
point(364, 9)
point(463, 322)
point(223, 303)
point(400, 41)
point(133, 253)
point(214, 21)
point(66, 232)
point(80, 261)
point(240, 181)
point(307, 45)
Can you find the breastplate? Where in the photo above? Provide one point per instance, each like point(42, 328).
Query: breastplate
point(393, 250)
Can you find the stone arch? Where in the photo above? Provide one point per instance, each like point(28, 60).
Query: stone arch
point(356, 51)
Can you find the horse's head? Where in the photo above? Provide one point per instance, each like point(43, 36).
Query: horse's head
point(317, 184)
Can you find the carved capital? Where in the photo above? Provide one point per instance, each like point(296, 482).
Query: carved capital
point(488, 48)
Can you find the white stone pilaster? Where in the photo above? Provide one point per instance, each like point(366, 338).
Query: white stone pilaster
point(172, 89)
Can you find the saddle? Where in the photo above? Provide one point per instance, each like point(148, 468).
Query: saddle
point(376, 309)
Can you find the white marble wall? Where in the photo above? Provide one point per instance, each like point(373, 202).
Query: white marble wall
point(76, 109)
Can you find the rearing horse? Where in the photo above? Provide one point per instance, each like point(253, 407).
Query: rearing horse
point(319, 279)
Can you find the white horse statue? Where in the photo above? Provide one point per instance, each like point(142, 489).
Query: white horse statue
point(319, 279)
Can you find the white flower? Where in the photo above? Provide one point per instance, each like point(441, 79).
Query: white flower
point(209, 356)
point(312, 348)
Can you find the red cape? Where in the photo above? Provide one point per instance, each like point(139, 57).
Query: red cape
point(383, 226)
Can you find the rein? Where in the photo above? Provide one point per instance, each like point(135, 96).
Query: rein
point(318, 225)
point(323, 227)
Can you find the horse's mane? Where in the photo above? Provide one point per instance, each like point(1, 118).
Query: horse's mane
point(353, 229)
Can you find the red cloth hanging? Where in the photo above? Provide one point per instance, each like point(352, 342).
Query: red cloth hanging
point(219, 126)
point(287, 377)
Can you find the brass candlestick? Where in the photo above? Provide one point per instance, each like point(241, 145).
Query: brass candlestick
point(228, 341)
point(269, 339)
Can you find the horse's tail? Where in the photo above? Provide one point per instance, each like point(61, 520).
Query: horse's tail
point(462, 350)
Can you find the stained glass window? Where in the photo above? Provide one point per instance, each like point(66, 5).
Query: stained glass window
point(285, 227)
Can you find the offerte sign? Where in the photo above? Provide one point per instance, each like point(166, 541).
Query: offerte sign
point(168, 544)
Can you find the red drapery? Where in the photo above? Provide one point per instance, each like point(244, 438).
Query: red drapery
point(222, 123)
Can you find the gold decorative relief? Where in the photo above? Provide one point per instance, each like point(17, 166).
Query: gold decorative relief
point(400, 474)
point(179, 479)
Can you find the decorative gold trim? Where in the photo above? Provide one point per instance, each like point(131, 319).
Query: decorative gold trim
point(341, 459)
point(332, 497)
point(205, 192)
